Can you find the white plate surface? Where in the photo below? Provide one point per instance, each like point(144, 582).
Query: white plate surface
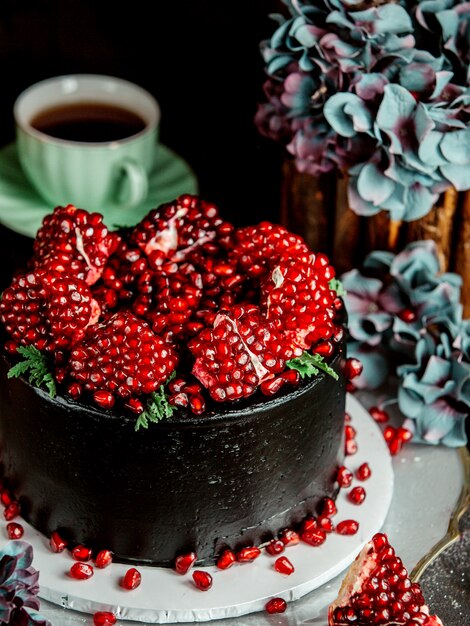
point(167, 597)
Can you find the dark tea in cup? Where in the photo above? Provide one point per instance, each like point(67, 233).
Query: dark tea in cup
point(88, 122)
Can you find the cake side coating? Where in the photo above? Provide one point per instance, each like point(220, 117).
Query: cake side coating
point(231, 478)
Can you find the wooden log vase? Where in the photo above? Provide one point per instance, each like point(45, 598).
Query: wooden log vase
point(318, 209)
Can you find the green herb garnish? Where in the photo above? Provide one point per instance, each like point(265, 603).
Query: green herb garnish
point(336, 285)
point(35, 368)
point(310, 365)
point(157, 408)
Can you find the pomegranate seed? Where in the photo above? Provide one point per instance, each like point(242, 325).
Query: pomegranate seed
point(404, 434)
point(104, 399)
point(81, 571)
point(104, 618)
point(284, 566)
point(202, 580)
point(184, 562)
point(407, 315)
point(246, 555)
point(328, 507)
point(56, 542)
point(275, 546)
point(14, 530)
point(103, 559)
point(11, 511)
point(226, 559)
point(379, 415)
point(6, 498)
point(325, 523)
point(363, 472)
point(314, 537)
point(81, 553)
point(344, 477)
point(347, 527)
point(357, 495)
point(276, 605)
point(131, 579)
point(289, 537)
point(309, 523)
point(350, 447)
point(389, 433)
point(395, 445)
point(352, 368)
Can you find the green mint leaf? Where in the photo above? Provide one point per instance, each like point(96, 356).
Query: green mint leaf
point(157, 408)
point(309, 365)
point(336, 285)
point(35, 368)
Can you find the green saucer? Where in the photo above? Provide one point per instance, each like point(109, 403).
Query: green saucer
point(22, 209)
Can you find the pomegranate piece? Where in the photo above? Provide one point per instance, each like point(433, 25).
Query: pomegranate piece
point(363, 472)
point(357, 495)
point(275, 605)
point(184, 562)
point(275, 546)
point(289, 537)
point(202, 580)
point(11, 511)
point(104, 618)
point(74, 242)
point(328, 507)
point(81, 553)
point(56, 543)
point(14, 530)
point(378, 590)
point(226, 559)
point(47, 310)
point(284, 566)
point(103, 559)
point(247, 555)
point(81, 571)
point(325, 523)
point(347, 527)
point(121, 357)
point(131, 579)
point(379, 414)
point(344, 476)
point(314, 537)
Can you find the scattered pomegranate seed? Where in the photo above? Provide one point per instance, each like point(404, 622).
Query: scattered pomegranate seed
point(328, 507)
point(379, 415)
point(350, 447)
point(325, 523)
point(246, 555)
point(81, 571)
point(202, 580)
point(14, 530)
point(103, 559)
point(314, 537)
point(363, 472)
point(344, 476)
point(407, 315)
point(352, 368)
point(275, 546)
point(11, 511)
point(357, 495)
point(284, 566)
point(226, 559)
point(396, 437)
point(104, 618)
point(276, 605)
point(184, 562)
point(6, 497)
point(404, 434)
point(56, 542)
point(389, 433)
point(81, 553)
point(347, 527)
point(131, 579)
point(289, 537)
point(309, 523)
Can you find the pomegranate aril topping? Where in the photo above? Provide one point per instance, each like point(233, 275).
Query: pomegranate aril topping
point(103, 559)
point(104, 618)
point(347, 527)
point(11, 511)
point(357, 495)
point(275, 546)
point(184, 562)
point(81, 553)
point(131, 579)
point(226, 559)
point(57, 543)
point(14, 530)
point(344, 476)
point(81, 571)
point(363, 472)
point(276, 605)
point(289, 537)
point(246, 555)
point(284, 566)
point(314, 537)
point(202, 580)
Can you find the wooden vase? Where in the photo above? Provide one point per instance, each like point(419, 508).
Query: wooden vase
point(318, 209)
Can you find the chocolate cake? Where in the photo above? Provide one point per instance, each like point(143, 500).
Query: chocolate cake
point(152, 438)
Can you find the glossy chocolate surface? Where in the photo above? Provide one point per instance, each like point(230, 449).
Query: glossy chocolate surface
point(231, 478)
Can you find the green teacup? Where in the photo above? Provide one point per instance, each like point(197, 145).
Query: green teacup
point(87, 140)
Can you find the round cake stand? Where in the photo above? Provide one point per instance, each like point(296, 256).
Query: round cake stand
point(167, 597)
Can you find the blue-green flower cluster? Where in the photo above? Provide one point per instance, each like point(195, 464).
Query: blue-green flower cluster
point(19, 603)
point(406, 322)
point(377, 90)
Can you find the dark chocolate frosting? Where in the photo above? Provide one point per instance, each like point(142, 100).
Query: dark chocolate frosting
point(228, 479)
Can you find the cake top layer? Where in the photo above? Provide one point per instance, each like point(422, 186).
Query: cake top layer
point(181, 311)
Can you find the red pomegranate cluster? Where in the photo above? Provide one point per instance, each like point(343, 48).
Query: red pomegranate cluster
point(183, 299)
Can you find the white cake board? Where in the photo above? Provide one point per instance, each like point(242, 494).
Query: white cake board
point(166, 597)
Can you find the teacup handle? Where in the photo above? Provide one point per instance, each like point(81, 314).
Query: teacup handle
point(134, 184)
